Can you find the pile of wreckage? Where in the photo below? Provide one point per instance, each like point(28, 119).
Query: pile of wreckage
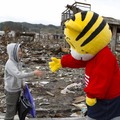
point(57, 94)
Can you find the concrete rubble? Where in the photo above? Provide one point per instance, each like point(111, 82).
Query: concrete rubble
point(57, 96)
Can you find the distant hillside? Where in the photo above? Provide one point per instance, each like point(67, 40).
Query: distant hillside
point(25, 27)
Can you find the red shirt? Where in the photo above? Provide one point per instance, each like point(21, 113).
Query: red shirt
point(102, 74)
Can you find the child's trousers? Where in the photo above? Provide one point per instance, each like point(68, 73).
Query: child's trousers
point(11, 104)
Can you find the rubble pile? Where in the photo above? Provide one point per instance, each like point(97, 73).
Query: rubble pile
point(57, 94)
point(49, 99)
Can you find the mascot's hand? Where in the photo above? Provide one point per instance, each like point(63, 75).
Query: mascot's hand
point(91, 101)
point(55, 64)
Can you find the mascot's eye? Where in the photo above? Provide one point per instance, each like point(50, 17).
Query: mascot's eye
point(84, 51)
point(67, 38)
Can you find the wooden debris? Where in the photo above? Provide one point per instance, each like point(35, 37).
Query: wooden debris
point(79, 99)
point(49, 93)
point(2, 96)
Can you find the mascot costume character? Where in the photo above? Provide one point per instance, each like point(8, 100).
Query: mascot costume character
point(88, 35)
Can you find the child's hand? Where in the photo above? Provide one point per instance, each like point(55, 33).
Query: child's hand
point(23, 84)
point(38, 73)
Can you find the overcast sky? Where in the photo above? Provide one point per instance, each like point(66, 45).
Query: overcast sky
point(49, 11)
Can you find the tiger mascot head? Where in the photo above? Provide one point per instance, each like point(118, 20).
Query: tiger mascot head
point(87, 33)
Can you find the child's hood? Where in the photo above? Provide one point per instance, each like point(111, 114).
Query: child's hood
point(12, 50)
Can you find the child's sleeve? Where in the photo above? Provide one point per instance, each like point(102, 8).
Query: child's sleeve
point(14, 71)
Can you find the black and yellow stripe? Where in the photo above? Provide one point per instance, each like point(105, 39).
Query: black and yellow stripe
point(88, 27)
point(88, 32)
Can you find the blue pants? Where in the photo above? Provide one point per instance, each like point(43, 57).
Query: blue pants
point(116, 118)
point(105, 109)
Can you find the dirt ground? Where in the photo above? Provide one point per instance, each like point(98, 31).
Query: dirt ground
point(49, 100)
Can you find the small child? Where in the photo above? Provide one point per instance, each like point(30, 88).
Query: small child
point(13, 79)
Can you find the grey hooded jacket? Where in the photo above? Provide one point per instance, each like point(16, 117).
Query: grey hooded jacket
point(13, 75)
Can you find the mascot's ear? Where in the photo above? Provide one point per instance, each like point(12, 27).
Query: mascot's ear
point(71, 24)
